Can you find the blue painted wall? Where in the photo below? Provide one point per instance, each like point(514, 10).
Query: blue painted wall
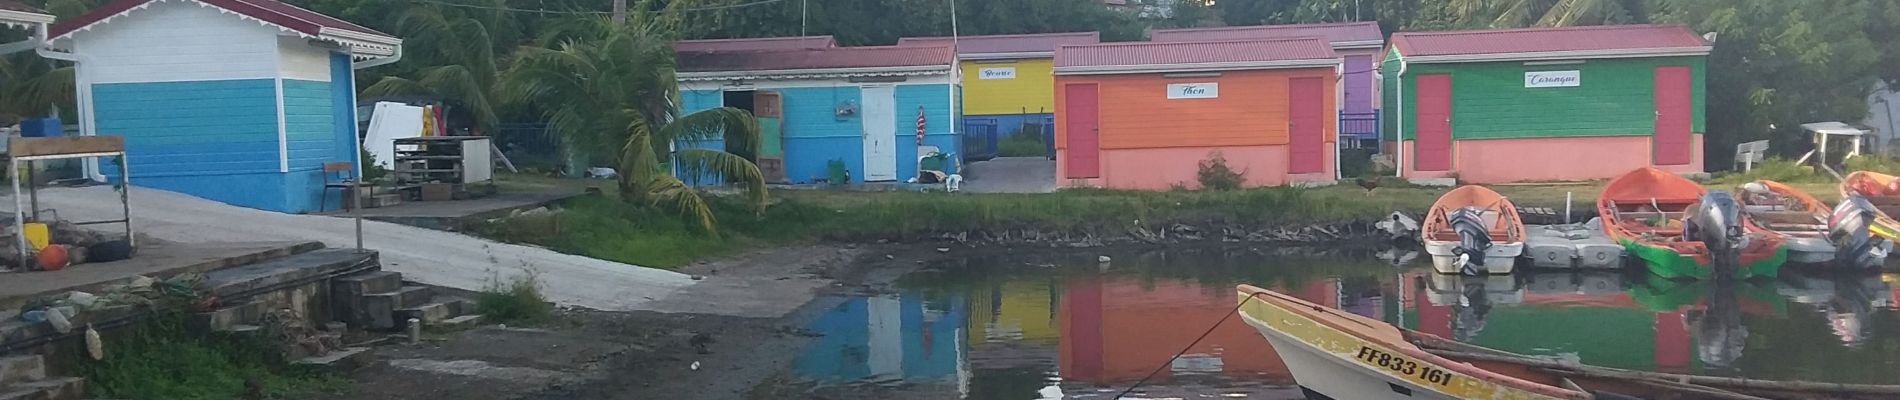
point(219, 139)
point(814, 135)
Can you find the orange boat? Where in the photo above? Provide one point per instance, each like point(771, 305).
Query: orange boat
point(1340, 355)
point(1488, 217)
point(1878, 189)
point(1644, 210)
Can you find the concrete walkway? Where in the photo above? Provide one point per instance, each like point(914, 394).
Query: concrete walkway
point(427, 256)
point(1010, 175)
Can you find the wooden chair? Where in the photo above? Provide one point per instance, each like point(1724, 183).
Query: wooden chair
point(345, 182)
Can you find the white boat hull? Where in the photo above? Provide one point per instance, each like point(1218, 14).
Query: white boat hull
point(1334, 377)
point(1808, 249)
point(1501, 258)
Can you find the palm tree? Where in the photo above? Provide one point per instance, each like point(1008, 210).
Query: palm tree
point(616, 90)
point(456, 55)
point(1523, 13)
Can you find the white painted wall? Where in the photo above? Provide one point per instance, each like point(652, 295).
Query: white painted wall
point(174, 40)
point(297, 59)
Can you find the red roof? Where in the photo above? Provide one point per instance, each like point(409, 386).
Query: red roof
point(12, 5)
point(1002, 44)
point(1605, 38)
point(1188, 53)
point(815, 58)
point(288, 16)
point(772, 43)
point(1336, 33)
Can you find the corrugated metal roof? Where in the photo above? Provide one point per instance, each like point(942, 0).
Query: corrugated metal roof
point(1338, 34)
point(1006, 44)
point(772, 43)
point(1606, 38)
point(817, 58)
point(289, 16)
point(1189, 53)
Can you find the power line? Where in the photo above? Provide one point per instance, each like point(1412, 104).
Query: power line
point(569, 12)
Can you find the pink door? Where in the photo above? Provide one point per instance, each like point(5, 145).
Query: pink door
point(1673, 142)
point(1433, 122)
point(1084, 133)
point(1306, 123)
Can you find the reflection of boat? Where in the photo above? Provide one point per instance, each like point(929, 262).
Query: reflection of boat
point(1471, 299)
point(1333, 354)
point(1473, 220)
point(1874, 186)
point(1800, 219)
point(1650, 212)
point(1847, 301)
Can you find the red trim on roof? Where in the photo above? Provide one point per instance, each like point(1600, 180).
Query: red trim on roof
point(815, 58)
point(771, 43)
point(1542, 40)
point(288, 16)
point(1015, 43)
point(1341, 32)
point(1165, 53)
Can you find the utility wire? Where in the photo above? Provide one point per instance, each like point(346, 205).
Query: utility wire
point(569, 12)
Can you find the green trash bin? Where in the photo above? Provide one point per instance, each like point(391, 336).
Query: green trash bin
point(836, 173)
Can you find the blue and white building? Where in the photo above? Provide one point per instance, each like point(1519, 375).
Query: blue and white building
point(239, 101)
point(856, 105)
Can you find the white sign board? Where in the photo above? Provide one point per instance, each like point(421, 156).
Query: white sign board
point(1193, 90)
point(1544, 79)
point(388, 122)
point(997, 73)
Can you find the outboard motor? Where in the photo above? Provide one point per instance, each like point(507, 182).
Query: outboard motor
point(1474, 240)
point(1849, 229)
point(1716, 221)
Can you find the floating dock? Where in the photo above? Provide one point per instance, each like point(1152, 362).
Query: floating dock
point(1580, 246)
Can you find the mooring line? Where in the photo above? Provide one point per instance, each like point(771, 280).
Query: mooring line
point(1190, 346)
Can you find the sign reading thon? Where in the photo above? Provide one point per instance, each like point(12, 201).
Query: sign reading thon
point(1193, 90)
point(1540, 79)
point(997, 73)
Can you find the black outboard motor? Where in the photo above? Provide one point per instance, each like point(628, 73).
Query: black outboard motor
point(1474, 240)
point(1716, 221)
point(1849, 229)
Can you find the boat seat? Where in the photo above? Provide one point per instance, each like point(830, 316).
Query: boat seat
point(1795, 227)
point(1784, 217)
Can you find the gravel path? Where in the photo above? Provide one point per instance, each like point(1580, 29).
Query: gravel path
point(1010, 175)
point(422, 255)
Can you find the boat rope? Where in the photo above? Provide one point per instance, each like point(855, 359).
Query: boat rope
point(1190, 346)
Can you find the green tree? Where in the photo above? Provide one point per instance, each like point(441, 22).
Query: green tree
point(448, 53)
point(618, 91)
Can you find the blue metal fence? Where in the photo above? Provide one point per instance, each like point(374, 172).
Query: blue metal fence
point(1359, 129)
point(979, 139)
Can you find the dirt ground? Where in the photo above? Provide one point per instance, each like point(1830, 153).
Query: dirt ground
point(649, 355)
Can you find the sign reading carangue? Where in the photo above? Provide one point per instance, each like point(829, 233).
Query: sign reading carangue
point(997, 73)
point(1193, 90)
point(1542, 79)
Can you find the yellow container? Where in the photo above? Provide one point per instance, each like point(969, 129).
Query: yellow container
point(37, 235)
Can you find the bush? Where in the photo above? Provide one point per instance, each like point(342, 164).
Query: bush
point(1874, 163)
point(1774, 169)
point(1022, 145)
point(158, 359)
point(518, 301)
point(1216, 175)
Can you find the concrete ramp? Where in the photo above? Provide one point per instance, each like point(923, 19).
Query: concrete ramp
point(423, 255)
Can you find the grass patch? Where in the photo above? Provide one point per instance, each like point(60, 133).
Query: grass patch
point(1774, 169)
point(517, 302)
point(160, 360)
point(1022, 145)
point(1875, 163)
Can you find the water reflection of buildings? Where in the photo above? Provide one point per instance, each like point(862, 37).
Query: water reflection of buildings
point(1119, 330)
point(888, 339)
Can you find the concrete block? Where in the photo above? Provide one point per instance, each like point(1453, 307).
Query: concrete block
point(433, 312)
point(406, 297)
point(379, 308)
point(227, 318)
point(462, 322)
point(17, 369)
point(342, 360)
point(347, 293)
point(57, 388)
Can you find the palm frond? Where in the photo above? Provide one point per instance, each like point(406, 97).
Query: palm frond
point(461, 85)
point(397, 86)
point(722, 123)
point(728, 167)
point(687, 201)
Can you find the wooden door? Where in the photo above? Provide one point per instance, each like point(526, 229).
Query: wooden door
point(1306, 126)
point(880, 133)
point(1084, 133)
point(1432, 121)
point(768, 107)
point(1674, 146)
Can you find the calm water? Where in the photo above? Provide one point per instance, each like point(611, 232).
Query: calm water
point(1060, 326)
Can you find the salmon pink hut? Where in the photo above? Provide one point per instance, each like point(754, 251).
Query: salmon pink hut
point(1145, 115)
point(1540, 104)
